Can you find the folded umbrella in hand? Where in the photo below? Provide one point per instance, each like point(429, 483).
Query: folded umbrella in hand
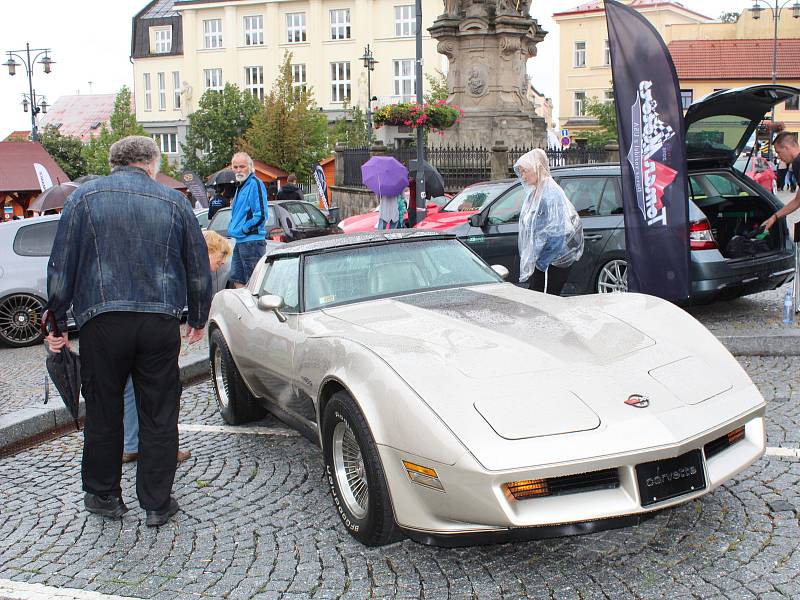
point(64, 368)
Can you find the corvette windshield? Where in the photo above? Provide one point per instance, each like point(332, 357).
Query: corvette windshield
point(362, 273)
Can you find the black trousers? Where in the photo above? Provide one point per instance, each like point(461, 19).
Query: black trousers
point(146, 346)
point(556, 278)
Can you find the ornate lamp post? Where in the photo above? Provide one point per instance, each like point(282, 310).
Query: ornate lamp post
point(755, 10)
point(37, 104)
point(369, 65)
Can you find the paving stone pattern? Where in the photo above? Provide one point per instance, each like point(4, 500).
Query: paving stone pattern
point(257, 522)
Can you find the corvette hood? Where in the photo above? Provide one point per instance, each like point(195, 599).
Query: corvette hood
point(500, 362)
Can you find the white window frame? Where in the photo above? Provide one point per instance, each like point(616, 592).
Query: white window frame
point(212, 34)
point(340, 23)
point(579, 103)
point(404, 77)
point(176, 90)
point(607, 54)
point(690, 95)
point(253, 30)
point(254, 81)
point(405, 20)
point(212, 79)
point(579, 55)
point(161, 79)
point(162, 40)
point(167, 142)
point(296, 27)
point(148, 92)
point(340, 81)
point(299, 80)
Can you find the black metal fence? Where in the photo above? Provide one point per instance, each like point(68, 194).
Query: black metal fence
point(461, 166)
point(562, 158)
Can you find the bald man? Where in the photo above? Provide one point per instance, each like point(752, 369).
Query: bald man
point(788, 151)
point(248, 220)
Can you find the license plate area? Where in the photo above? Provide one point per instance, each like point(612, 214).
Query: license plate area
point(661, 480)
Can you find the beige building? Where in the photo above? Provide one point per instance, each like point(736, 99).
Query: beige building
point(708, 55)
point(181, 48)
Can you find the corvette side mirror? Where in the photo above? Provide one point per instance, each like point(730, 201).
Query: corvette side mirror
point(478, 219)
point(274, 303)
point(501, 270)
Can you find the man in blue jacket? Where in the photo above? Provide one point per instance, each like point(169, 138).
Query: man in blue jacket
point(128, 256)
point(248, 220)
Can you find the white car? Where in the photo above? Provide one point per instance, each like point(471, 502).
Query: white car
point(455, 408)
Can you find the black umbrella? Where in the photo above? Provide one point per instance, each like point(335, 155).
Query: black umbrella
point(53, 198)
point(85, 178)
point(222, 177)
point(64, 368)
point(434, 182)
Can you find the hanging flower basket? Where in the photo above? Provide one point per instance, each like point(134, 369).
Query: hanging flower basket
point(434, 117)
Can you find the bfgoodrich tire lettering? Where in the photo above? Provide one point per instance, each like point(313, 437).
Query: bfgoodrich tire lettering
point(355, 475)
point(236, 404)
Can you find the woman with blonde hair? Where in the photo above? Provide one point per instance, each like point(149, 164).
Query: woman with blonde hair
point(550, 230)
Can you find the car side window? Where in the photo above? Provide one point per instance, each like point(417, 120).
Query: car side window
point(316, 216)
point(507, 208)
point(585, 193)
point(298, 213)
point(282, 279)
point(36, 239)
point(611, 201)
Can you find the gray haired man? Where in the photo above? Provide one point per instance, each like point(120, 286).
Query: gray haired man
point(129, 256)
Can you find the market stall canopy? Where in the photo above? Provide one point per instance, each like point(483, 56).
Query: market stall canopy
point(18, 172)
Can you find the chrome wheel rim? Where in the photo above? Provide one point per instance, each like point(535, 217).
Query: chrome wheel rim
point(613, 277)
point(220, 378)
point(19, 318)
point(350, 471)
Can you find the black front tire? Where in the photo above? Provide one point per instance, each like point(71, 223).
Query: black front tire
point(375, 525)
point(236, 404)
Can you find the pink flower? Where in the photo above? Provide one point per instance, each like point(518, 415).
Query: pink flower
point(407, 122)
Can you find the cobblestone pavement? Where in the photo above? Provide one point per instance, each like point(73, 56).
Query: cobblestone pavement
point(257, 522)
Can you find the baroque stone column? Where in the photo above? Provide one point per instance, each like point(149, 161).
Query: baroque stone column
point(488, 43)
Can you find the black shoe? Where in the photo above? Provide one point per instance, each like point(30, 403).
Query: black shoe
point(106, 506)
point(156, 518)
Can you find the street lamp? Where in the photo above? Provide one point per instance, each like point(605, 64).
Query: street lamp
point(755, 10)
point(42, 58)
point(369, 64)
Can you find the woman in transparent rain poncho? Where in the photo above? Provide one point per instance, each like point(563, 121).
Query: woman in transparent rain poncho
point(550, 230)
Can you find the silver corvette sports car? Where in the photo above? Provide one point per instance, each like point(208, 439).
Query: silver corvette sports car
point(455, 408)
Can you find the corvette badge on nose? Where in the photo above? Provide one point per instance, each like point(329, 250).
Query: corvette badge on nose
point(638, 401)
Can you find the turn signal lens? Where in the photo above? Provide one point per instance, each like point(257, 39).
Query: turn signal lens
point(735, 435)
point(700, 236)
point(528, 488)
point(423, 475)
point(276, 234)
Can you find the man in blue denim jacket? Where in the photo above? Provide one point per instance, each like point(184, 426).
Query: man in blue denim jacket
point(129, 256)
point(248, 220)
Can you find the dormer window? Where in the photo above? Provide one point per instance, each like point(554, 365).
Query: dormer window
point(162, 40)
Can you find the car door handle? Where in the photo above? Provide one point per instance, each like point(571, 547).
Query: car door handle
point(593, 237)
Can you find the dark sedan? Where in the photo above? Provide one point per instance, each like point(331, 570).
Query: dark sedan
point(288, 220)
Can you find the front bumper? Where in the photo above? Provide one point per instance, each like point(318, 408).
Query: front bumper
point(475, 506)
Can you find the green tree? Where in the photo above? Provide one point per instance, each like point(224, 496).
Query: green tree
point(289, 132)
point(65, 150)
point(606, 115)
point(729, 17)
point(216, 126)
point(122, 123)
point(169, 169)
point(437, 87)
point(349, 129)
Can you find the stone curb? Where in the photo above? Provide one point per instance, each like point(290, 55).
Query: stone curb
point(41, 418)
point(779, 344)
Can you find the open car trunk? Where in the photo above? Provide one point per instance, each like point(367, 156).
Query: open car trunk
point(735, 213)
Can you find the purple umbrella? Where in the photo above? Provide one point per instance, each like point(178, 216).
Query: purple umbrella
point(384, 175)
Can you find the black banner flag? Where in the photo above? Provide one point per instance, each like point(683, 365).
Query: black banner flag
point(652, 155)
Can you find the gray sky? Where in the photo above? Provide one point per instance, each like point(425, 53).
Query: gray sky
point(91, 40)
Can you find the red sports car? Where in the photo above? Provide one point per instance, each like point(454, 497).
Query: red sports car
point(368, 221)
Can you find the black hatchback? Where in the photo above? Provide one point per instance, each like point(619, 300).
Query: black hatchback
point(288, 220)
point(723, 206)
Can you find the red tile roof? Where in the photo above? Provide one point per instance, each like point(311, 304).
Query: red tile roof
point(17, 173)
point(18, 135)
point(597, 6)
point(80, 116)
point(735, 59)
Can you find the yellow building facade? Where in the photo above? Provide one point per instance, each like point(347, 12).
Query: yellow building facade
point(181, 48)
point(699, 46)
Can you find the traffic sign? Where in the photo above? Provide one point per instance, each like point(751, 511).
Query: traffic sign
point(565, 133)
point(565, 141)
